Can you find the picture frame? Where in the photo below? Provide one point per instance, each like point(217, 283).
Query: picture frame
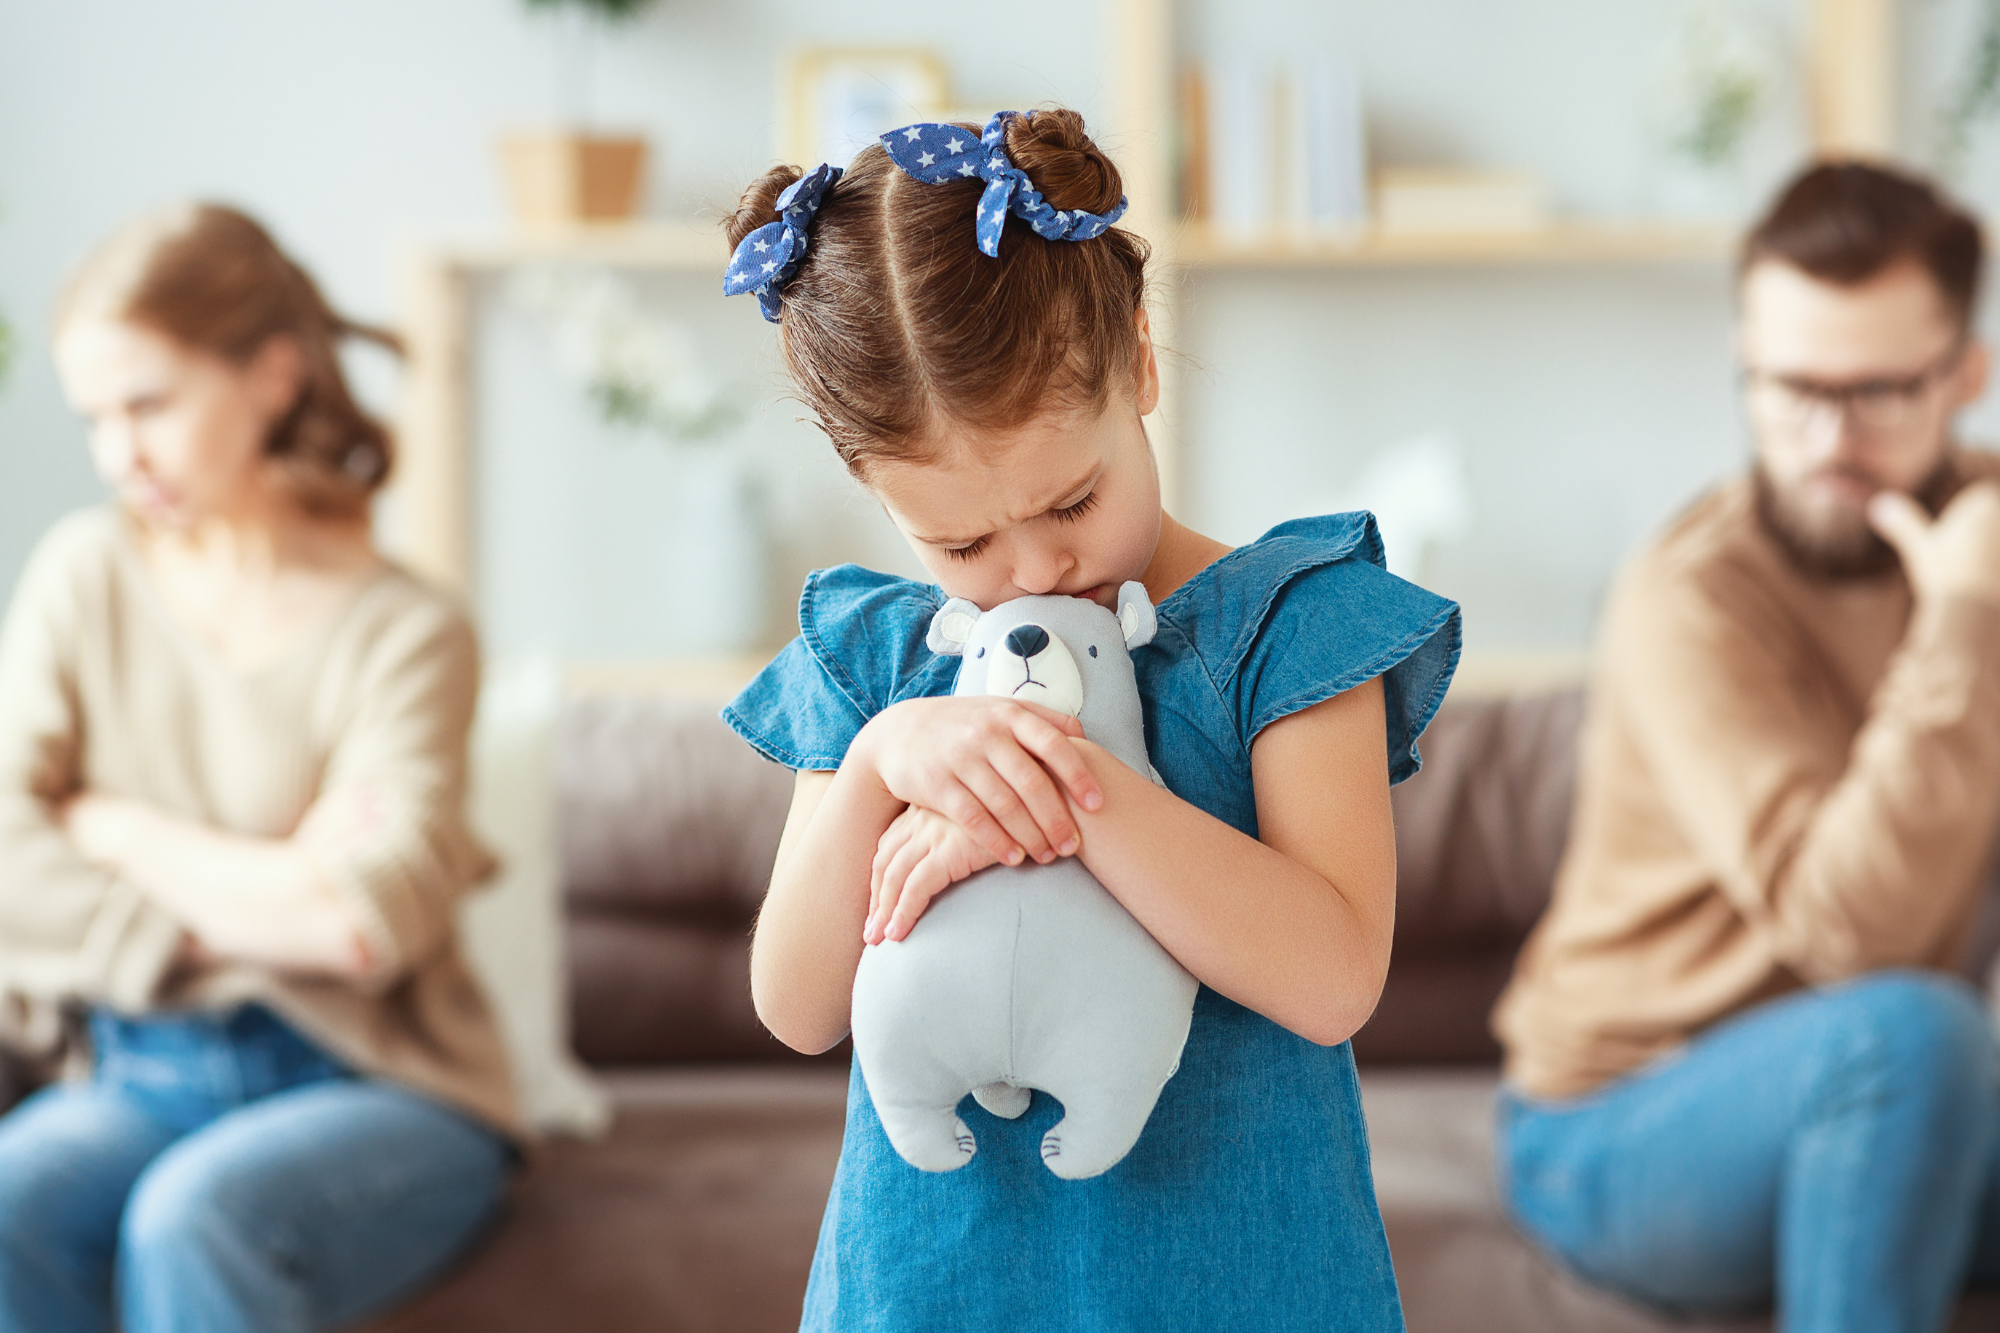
point(838, 100)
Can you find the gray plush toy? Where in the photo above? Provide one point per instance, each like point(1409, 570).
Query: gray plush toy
point(1029, 976)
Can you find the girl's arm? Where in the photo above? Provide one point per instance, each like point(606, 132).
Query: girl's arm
point(992, 764)
point(808, 936)
point(262, 900)
point(1295, 923)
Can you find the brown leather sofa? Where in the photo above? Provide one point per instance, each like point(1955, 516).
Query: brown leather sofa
point(699, 1210)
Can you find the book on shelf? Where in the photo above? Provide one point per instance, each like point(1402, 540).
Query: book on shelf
point(1273, 148)
point(1431, 202)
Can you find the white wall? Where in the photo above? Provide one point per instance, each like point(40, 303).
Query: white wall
point(1589, 402)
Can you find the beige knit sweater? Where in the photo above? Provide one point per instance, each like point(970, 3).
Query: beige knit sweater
point(1785, 781)
point(354, 743)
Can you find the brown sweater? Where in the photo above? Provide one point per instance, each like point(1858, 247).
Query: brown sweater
point(355, 743)
point(1784, 780)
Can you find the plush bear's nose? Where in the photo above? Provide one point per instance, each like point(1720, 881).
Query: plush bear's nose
point(1024, 641)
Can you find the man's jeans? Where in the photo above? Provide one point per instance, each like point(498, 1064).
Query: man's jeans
point(1833, 1151)
point(220, 1174)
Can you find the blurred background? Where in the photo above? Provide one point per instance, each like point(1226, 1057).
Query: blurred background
point(1465, 263)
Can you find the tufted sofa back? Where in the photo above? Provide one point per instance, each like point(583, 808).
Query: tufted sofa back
point(669, 826)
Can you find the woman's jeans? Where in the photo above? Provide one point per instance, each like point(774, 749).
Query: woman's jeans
point(1833, 1151)
point(219, 1173)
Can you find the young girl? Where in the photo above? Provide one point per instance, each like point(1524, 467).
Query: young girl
point(969, 329)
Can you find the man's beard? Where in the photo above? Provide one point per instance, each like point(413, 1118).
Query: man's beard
point(1836, 542)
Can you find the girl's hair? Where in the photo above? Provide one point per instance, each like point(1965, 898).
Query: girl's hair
point(895, 323)
point(212, 279)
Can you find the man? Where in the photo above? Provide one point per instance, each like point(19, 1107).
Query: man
point(1740, 1070)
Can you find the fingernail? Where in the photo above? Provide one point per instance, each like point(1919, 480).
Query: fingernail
point(1069, 848)
point(1046, 857)
point(1092, 799)
point(1014, 857)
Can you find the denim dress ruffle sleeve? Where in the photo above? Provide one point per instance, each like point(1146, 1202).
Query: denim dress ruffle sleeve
point(1247, 1204)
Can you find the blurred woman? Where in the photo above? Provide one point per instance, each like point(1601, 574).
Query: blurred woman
point(232, 837)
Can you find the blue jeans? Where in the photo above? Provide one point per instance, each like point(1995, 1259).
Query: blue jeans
point(219, 1173)
point(1833, 1151)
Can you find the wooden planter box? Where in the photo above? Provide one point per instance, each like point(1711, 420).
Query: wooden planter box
point(554, 177)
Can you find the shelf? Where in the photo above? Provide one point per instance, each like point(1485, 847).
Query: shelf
point(1562, 243)
point(669, 244)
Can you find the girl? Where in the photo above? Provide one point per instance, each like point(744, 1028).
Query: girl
point(969, 329)
point(232, 760)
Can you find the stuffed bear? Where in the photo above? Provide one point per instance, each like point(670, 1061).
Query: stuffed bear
point(1029, 976)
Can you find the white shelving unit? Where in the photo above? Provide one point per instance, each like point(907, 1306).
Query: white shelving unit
point(1850, 61)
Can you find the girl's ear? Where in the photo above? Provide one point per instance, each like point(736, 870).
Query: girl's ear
point(1146, 373)
point(952, 626)
point(1135, 615)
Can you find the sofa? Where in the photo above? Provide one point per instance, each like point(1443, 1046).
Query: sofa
point(699, 1208)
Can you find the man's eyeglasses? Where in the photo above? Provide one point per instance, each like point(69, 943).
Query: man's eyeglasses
point(1878, 406)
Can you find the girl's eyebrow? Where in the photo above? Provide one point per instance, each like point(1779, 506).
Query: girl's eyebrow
point(1065, 498)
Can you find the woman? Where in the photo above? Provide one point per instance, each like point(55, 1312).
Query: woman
point(232, 837)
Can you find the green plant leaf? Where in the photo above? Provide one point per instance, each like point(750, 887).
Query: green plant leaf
point(1977, 95)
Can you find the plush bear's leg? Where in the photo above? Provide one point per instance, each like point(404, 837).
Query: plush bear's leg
point(1003, 1099)
point(1099, 1126)
point(929, 1138)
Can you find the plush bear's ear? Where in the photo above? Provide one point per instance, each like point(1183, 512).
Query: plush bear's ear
point(952, 626)
point(1135, 615)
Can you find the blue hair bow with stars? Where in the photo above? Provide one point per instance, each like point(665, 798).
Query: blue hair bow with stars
point(935, 154)
point(766, 259)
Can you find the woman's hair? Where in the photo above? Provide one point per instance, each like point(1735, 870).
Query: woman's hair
point(895, 323)
point(210, 278)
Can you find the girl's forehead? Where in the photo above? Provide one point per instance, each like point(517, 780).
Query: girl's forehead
point(969, 485)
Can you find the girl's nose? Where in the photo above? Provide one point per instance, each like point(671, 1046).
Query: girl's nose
point(1037, 572)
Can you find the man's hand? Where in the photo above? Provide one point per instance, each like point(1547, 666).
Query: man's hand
point(1958, 554)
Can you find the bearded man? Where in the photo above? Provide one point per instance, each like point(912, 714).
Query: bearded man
point(1741, 1069)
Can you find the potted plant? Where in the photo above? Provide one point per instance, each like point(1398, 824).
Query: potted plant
point(573, 173)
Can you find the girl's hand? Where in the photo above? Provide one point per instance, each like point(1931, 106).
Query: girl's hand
point(989, 765)
point(920, 856)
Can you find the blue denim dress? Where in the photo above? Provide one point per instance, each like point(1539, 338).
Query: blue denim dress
point(1247, 1203)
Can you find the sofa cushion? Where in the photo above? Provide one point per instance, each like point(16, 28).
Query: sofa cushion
point(697, 1213)
point(1479, 833)
point(700, 1211)
point(663, 811)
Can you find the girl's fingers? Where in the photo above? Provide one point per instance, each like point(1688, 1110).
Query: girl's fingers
point(895, 880)
point(925, 881)
point(893, 840)
point(1044, 801)
point(1061, 758)
point(1005, 804)
point(1063, 722)
point(966, 810)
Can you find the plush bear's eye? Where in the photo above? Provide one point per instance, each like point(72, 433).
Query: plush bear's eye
point(980, 653)
point(1093, 650)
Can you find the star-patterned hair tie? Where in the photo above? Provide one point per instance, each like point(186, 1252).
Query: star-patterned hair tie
point(766, 259)
point(935, 154)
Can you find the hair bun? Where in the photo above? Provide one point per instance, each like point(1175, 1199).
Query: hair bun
point(1066, 166)
point(759, 204)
